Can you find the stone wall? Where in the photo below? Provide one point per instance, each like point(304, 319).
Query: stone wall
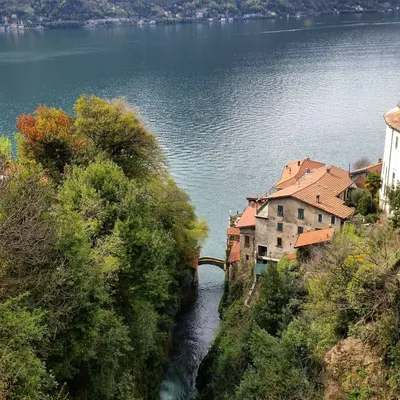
point(267, 225)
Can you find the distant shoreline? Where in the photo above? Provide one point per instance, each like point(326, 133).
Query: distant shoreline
point(145, 21)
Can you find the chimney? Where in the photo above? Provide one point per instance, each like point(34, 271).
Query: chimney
point(298, 163)
point(317, 197)
point(328, 170)
point(380, 160)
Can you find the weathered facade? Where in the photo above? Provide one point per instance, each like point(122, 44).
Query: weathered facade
point(305, 199)
point(271, 226)
point(309, 196)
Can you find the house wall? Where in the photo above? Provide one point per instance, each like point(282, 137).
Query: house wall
point(266, 228)
point(390, 166)
point(247, 253)
point(360, 178)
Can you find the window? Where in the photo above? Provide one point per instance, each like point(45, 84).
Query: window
point(300, 213)
point(262, 251)
point(319, 218)
point(279, 227)
point(279, 242)
point(280, 211)
point(299, 230)
point(397, 142)
point(333, 220)
point(247, 241)
point(247, 257)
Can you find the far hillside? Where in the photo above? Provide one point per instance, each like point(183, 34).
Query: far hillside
point(47, 11)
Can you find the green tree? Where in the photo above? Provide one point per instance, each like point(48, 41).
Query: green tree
point(364, 206)
point(277, 303)
point(111, 127)
point(275, 372)
point(92, 261)
point(47, 136)
point(23, 374)
point(373, 183)
point(357, 194)
point(393, 196)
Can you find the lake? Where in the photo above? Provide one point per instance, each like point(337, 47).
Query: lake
point(230, 103)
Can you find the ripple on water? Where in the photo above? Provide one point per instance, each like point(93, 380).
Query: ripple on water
point(230, 104)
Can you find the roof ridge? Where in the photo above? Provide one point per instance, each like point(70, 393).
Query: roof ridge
point(366, 167)
point(325, 207)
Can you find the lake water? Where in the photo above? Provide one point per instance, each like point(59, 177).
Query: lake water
point(230, 103)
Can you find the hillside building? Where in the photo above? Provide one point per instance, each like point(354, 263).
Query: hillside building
point(359, 176)
point(309, 196)
point(391, 156)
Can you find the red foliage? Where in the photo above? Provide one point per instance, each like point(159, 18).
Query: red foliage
point(26, 124)
point(48, 123)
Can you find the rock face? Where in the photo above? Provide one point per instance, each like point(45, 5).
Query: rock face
point(352, 370)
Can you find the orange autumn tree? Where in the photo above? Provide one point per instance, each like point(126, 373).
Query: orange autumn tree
point(48, 137)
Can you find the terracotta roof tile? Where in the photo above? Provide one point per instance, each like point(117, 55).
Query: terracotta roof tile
point(327, 200)
point(376, 168)
point(295, 170)
point(233, 231)
point(314, 237)
point(235, 252)
point(248, 217)
point(392, 118)
point(290, 256)
point(328, 183)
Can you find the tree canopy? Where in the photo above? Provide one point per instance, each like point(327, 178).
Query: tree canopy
point(326, 327)
point(96, 243)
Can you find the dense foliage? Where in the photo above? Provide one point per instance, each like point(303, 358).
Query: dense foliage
point(326, 328)
point(96, 241)
point(80, 10)
point(366, 200)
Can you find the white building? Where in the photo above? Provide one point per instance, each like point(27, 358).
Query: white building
point(391, 155)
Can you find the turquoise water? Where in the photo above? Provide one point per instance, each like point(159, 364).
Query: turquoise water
point(230, 103)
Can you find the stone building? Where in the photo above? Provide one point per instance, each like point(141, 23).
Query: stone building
point(309, 196)
point(247, 226)
point(241, 248)
point(391, 156)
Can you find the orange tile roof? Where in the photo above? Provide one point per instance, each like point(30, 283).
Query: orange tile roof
point(314, 237)
point(377, 168)
point(328, 183)
point(235, 252)
point(295, 170)
point(233, 231)
point(290, 256)
point(248, 217)
point(392, 118)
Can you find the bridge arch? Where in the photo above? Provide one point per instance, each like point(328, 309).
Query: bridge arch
point(218, 262)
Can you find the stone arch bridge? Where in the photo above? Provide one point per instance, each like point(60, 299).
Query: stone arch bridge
point(218, 262)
